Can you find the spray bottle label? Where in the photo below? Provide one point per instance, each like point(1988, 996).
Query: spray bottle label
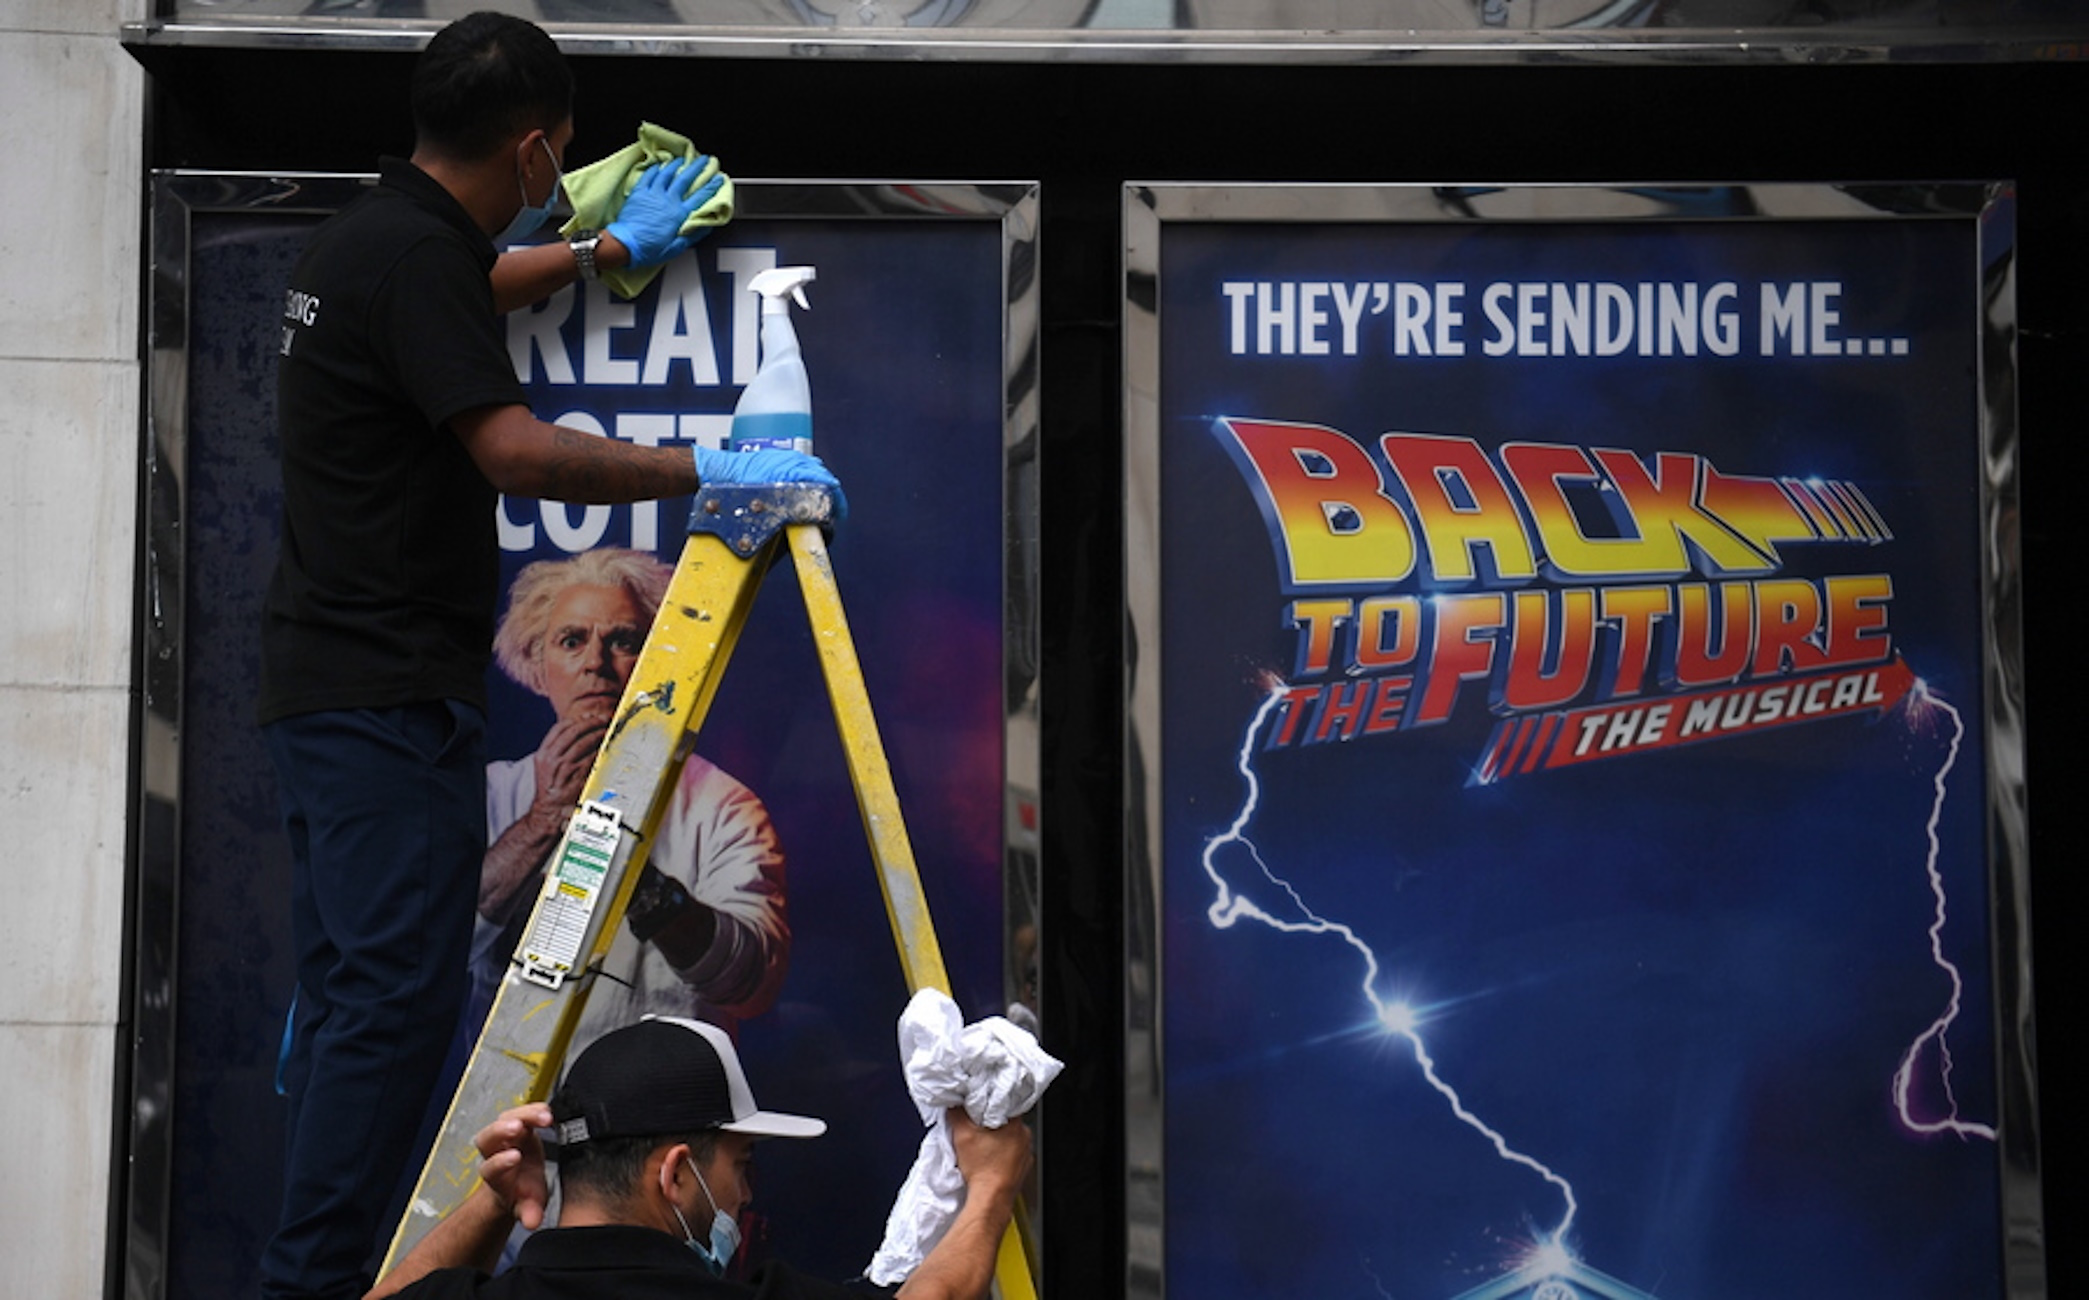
point(773, 430)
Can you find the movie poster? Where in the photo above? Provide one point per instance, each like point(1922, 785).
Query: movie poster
point(1572, 778)
point(908, 346)
point(903, 340)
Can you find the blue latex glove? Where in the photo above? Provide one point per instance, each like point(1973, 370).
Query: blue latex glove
point(769, 465)
point(649, 225)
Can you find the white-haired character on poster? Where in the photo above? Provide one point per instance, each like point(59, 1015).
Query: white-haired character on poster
point(706, 934)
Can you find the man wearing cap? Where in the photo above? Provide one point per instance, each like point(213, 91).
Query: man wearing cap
point(656, 1127)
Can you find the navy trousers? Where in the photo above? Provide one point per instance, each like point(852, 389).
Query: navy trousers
point(386, 814)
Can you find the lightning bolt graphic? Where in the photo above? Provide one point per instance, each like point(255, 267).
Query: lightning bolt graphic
point(1922, 706)
point(1399, 1018)
point(1551, 1254)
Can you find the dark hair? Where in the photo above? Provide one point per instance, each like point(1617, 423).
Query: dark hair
point(608, 1169)
point(485, 79)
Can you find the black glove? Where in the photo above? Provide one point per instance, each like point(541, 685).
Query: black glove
point(656, 903)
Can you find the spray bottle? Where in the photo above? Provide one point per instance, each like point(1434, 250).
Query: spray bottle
point(775, 409)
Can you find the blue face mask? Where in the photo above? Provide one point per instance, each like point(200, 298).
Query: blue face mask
point(725, 1234)
point(530, 218)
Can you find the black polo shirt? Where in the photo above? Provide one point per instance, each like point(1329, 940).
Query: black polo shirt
point(617, 1263)
point(389, 569)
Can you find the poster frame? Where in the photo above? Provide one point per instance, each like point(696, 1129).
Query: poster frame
point(141, 1210)
point(1149, 208)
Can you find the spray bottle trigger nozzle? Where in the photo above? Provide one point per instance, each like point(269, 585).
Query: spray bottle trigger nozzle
point(773, 283)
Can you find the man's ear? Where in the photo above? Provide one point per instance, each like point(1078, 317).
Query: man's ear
point(674, 1158)
point(528, 149)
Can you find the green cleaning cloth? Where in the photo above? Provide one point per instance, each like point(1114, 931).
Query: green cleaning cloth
point(598, 190)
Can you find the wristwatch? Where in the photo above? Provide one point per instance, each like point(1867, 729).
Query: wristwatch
point(583, 243)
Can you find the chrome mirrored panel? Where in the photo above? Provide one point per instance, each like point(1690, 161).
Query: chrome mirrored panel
point(922, 341)
point(1245, 30)
point(1578, 846)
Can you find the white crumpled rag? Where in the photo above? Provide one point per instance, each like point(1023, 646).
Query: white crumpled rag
point(993, 1069)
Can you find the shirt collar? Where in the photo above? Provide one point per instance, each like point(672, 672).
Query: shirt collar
point(607, 1246)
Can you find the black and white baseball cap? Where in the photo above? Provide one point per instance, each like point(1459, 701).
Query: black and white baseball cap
point(664, 1077)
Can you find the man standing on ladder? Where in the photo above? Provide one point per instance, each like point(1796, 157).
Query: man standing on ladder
point(401, 419)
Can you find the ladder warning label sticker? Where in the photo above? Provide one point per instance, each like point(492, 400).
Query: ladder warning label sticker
point(558, 928)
